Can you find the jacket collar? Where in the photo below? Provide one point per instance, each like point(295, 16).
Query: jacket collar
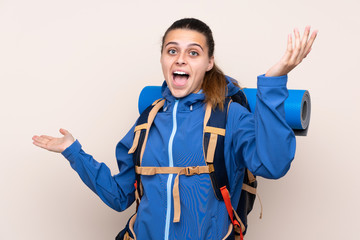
point(187, 103)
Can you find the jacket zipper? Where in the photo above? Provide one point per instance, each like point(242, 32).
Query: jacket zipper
point(170, 177)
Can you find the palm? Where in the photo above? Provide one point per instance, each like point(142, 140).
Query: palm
point(54, 144)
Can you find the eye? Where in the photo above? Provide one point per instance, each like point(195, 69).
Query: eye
point(172, 51)
point(194, 53)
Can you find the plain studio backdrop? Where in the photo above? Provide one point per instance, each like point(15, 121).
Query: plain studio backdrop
point(81, 65)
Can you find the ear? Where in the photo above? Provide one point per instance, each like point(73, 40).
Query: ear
point(211, 64)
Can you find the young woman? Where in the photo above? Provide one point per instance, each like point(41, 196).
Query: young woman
point(260, 141)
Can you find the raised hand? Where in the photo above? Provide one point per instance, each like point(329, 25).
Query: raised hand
point(294, 54)
point(54, 144)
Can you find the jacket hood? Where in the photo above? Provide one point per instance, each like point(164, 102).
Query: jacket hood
point(187, 103)
point(231, 88)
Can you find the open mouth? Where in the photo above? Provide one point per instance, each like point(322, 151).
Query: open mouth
point(180, 78)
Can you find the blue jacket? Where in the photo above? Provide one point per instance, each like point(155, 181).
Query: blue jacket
point(261, 141)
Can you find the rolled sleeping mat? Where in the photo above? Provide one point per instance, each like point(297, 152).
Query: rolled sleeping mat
point(147, 96)
point(297, 106)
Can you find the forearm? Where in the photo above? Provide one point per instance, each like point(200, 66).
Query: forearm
point(115, 190)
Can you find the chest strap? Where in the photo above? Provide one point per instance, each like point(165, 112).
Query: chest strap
point(187, 171)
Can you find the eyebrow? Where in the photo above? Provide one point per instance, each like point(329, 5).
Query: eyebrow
point(189, 45)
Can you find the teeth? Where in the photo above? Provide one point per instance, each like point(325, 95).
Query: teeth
point(180, 73)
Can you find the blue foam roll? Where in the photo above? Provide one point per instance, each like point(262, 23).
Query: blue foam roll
point(297, 105)
point(147, 96)
point(297, 108)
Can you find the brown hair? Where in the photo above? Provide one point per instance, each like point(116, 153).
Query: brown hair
point(214, 84)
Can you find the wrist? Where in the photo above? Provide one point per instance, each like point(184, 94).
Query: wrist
point(67, 145)
point(277, 70)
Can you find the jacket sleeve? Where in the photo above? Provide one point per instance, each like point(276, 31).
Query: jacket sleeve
point(263, 142)
point(116, 191)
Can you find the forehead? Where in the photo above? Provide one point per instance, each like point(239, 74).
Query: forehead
point(185, 37)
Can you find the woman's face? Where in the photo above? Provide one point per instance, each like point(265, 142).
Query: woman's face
point(184, 61)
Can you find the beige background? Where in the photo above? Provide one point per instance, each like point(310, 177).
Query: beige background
point(80, 65)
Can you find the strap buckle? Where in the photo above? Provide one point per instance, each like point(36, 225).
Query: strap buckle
point(189, 171)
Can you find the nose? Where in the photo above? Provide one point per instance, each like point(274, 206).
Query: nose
point(181, 59)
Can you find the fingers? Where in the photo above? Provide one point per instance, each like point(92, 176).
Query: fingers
point(310, 42)
point(297, 39)
point(307, 42)
point(297, 48)
point(307, 52)
point(306, 35)
point(304, 40)
point(301, 47)
point(64, 131)
point(39, 144)
point(46, 137)
point(289, 48)
point(42, 138)
point(41, 141)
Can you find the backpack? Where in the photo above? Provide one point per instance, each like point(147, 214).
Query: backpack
point(213, 142)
